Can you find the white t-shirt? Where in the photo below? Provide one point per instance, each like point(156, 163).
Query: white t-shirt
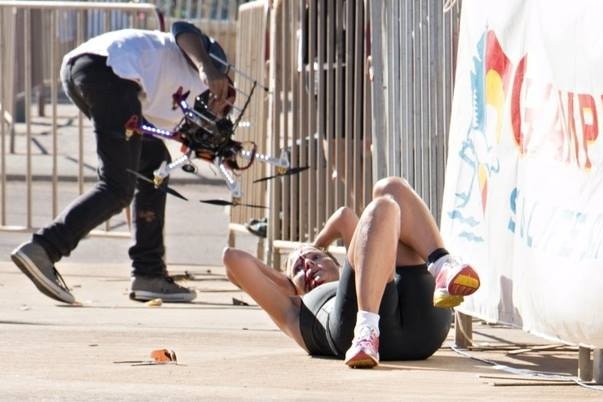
point(154, 61)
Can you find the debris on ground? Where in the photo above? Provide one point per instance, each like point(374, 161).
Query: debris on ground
point(187, 275)
point(158, 356)
point(164, 356)
point(154, 303)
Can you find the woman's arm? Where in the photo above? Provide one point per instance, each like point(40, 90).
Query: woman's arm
point(340, 225)
point(270, 289)
point(240, 260)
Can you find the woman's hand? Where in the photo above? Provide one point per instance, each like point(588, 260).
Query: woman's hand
point(340, 225)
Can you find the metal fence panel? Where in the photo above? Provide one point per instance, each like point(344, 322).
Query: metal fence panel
point(251, 58)
point(349, 129)
point(318, 113)
point(34, 36)
point(224, 10)
point(417, 39)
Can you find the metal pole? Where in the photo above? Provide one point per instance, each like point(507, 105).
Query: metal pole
point(53, 102)
point(598, 366)
point(378, 91)
point(585, 364)
point(80, 119)
point(26, 105)
point(463, 330)
point(2, 129)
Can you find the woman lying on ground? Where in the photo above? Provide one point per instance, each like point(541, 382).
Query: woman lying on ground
point(383, 303)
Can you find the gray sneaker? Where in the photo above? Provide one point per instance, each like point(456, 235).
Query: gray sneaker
point(162, 287)
point(31, 258)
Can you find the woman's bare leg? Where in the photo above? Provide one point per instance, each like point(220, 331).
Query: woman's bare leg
point(420, 241)
point(372, 255)
point(419, 234)
point(373, 249)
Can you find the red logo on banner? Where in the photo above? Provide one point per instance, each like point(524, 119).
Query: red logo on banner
point(560, 124)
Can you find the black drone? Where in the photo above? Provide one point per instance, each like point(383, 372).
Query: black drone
point(206, 136)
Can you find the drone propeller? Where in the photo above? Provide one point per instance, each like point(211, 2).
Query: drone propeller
point(287, 172)
point(162, 188)
point(232, 203)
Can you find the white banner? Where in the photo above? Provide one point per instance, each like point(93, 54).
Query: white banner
point(523, 200)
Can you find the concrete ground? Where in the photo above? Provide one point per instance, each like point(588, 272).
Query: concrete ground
point(226, 350)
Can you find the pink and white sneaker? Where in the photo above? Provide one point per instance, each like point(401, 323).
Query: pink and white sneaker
point(454, 281)
point(364, 352)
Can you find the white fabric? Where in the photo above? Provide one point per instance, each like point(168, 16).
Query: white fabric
point(523, 201)
point(154, 61)
point(367, 319)
point(435, 267)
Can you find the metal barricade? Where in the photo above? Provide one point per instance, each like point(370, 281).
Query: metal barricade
point(223, 31)
point(251, 56)
point(360, 90)
point(320, 113)
point(215, 17)
point(197, 10)
point(37, 148)
point(414, 64)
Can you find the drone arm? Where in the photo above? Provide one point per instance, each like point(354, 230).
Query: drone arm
point(165, 169)
point(179, 162)
point(152, 131)
point(134, 125)
point(282, 161)
point(231, 182)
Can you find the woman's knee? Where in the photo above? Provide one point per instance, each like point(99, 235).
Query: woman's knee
point(232, 260)
point(393, 185)
point(383, 208)
point(228, 255)
point(231, 257)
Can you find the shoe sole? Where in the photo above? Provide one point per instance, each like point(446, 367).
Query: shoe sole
point(442, 299)
point(143, 296)
point(362, 360)
point(465, 282)
point(45, 286)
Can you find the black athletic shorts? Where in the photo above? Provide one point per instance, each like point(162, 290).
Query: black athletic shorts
point(411, 327)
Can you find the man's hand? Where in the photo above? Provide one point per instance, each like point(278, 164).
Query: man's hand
point(218, 85)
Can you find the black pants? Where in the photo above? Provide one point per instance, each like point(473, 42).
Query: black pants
point(109, 102)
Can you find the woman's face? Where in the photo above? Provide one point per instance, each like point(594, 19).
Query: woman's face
point(308, 267)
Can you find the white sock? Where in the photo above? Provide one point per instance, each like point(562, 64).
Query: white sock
point(436, 267)
point(367, 319)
